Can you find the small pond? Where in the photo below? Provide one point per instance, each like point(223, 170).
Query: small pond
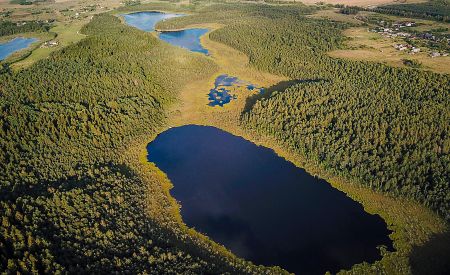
point(188, 39)
point(262, 207)
point(222, 94)
point(14, 45)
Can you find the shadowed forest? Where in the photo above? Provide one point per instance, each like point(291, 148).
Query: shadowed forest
point(74, 200)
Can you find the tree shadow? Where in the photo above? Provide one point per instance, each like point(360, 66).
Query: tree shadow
point(279, 87)
point(433, 257)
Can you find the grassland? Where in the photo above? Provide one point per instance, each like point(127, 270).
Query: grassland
point(368, 46)
point(66, 28)
point(65, 33)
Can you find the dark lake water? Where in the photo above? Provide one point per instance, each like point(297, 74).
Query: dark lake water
point(262, 207)
point(15, 45)
point(188, 39)
point(221, 93)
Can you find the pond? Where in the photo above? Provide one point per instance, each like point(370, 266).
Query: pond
point(14, 45)
point(222, 94)
point(262, 207)
point(188, 39)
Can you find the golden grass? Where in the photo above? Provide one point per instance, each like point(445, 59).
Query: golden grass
point(193, 107)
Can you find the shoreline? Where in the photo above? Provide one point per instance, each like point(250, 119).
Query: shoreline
point(400, 215)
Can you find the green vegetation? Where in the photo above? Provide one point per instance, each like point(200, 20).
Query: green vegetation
point(412, 63)
point(8, 28)
point(231, 14)
point(132, 3)
point(65, 33)
point(70, 202)
point(434, 9)
point(349, 10)
point(334, 118)
point(21, 2)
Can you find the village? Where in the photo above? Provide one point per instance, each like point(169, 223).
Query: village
point(411, 39)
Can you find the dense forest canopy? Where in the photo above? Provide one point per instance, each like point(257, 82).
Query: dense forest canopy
point(8, 27)
point(69, 202)
point(385, 127)
point(434, 9)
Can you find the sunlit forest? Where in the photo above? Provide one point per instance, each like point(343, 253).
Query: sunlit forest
point(334, 114)
point(71, 202)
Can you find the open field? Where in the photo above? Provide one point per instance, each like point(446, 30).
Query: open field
point(368, 46)
point(66, 34)
point(194, 108)
point(66, 27)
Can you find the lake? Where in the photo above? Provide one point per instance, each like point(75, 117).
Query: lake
point(14, 45)
point(262, 207)
point(188, 39)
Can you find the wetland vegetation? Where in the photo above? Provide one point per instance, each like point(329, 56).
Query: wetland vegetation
point(78, 195)
point(222, 93)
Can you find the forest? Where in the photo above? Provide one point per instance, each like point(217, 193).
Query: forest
point(69, 200)
point(8, 27)
point(438, 10)
point(333, 114)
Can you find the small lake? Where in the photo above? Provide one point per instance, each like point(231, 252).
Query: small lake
point(14, 45)
point(147, 20)
point(222, 93)
point(262, 207)
point(188, 39)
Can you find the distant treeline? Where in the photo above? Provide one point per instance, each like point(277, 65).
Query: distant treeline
point(9, 28)
point(438, 10)
point(25, 2)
